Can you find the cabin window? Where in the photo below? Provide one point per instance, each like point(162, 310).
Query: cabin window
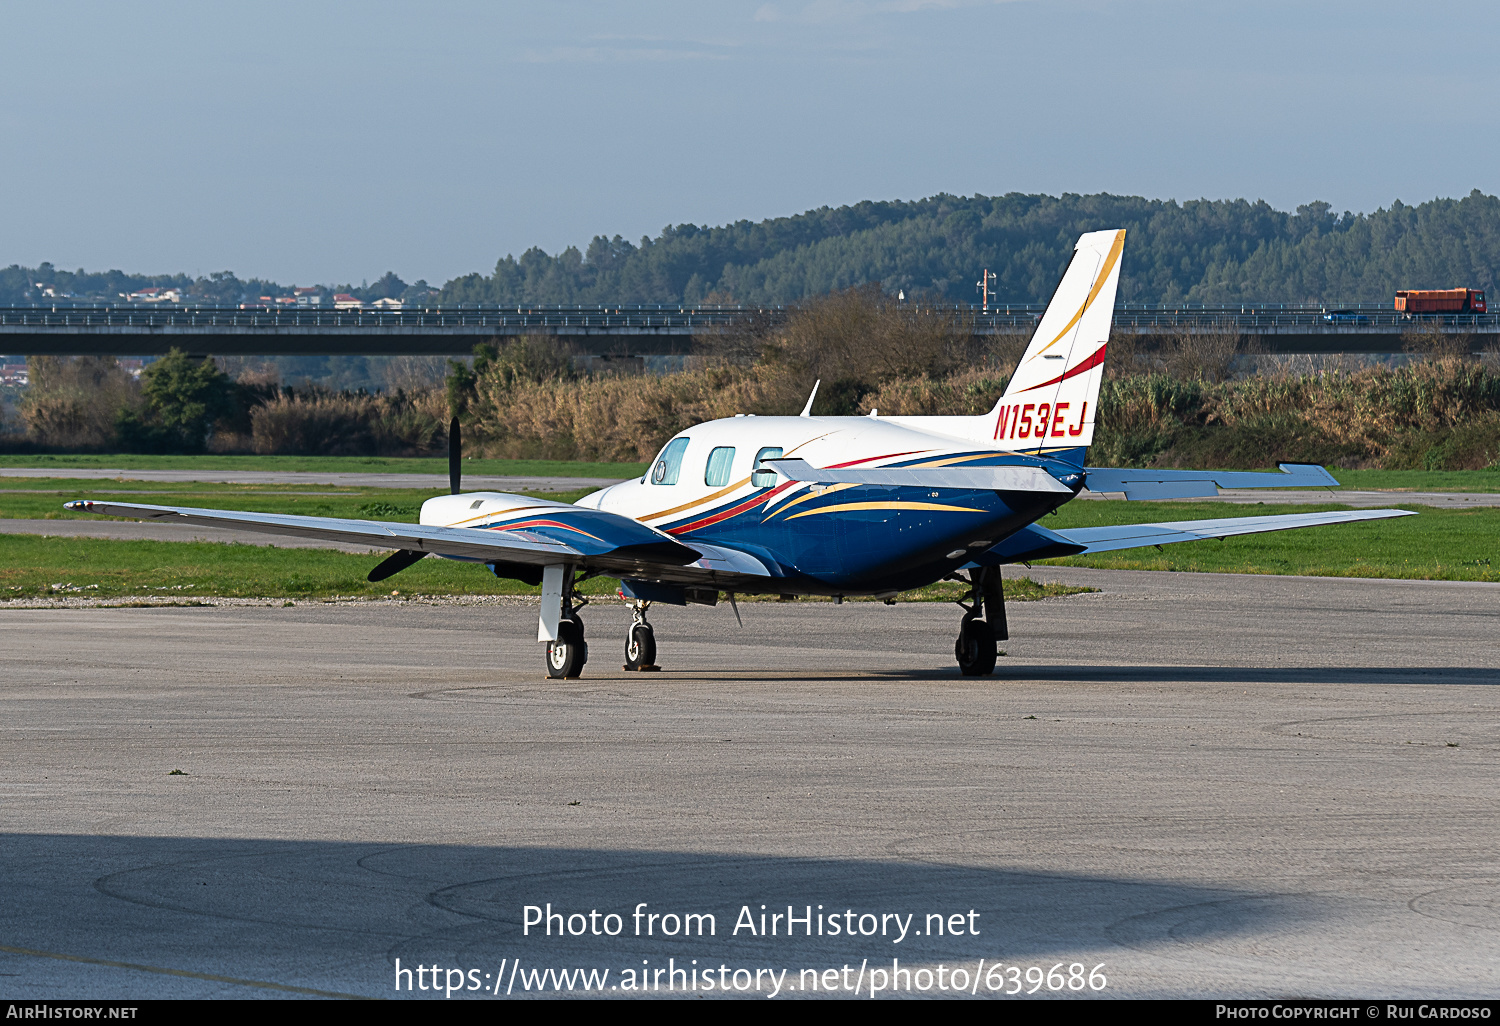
point(719, 461)
point(669, 463)
point(765, 478)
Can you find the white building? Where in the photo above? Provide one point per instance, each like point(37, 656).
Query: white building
point(153, 295)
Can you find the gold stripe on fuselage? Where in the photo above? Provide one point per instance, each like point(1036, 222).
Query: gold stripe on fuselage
point(853, 506)
point(811, 493)
point(946, 461)
point(698, 502)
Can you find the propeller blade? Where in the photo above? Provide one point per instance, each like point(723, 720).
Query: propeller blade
point(455, 456)
point(394, 564)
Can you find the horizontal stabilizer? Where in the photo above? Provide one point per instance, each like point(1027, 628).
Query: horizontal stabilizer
point(1130, 536)
point(1003, 479)
point(1193, 484)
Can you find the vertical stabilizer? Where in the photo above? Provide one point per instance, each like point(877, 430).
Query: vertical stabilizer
point(1052, 400)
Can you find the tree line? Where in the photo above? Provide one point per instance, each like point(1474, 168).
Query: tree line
point(1205, 251)
point(45, 283)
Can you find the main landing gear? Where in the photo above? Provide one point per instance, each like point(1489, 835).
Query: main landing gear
point(975, 648)
point(567, 654)
point(640, 640)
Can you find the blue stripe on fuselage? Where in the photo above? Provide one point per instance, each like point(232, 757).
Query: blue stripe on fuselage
point(882, 548)
point(750, 503)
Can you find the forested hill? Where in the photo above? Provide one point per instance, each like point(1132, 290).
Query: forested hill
point(1211, 251)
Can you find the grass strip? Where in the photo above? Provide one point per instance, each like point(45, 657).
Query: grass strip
point(32, 566)
point(43, 498)
point(1438, 545)
point(320, 464)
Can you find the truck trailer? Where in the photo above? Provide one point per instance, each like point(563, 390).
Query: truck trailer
point(1421, 301)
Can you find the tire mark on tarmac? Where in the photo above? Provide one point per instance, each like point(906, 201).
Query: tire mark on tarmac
point(106, 885)
point(185, 973)
point(1483, 903)
point(1397, 718)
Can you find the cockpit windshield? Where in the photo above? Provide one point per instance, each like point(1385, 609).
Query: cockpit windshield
point(669, 463)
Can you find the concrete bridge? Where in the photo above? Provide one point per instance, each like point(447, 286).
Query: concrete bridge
point(641, 329)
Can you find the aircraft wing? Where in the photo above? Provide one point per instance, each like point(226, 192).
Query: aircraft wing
point(1130, 536)
point(1192, 484)
point(561, 534)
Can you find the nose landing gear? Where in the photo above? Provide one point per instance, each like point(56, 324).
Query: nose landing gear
point(975, 648)
point(640, 640)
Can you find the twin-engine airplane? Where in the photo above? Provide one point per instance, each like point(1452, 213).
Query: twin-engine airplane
point(831, 506)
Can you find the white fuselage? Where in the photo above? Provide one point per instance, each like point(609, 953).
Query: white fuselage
point(821, 441)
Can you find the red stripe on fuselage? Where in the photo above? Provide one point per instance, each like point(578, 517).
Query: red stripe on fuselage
point(709, 521)
point(751, 503)
point(869, 459)
point(715, 518)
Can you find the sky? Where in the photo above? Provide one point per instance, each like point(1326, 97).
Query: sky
point(331, 142)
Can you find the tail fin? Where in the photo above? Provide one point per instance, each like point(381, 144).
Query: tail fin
point(1052, 399)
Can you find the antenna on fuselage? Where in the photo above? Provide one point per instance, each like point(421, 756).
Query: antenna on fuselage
point(807, 410)
point(455, 456)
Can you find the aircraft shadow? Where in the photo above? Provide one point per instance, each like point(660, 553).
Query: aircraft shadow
point(1006, 672)
point(1473, 675)
point(334, 916)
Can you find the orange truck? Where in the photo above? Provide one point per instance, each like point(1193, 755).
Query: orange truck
point(1419, 301)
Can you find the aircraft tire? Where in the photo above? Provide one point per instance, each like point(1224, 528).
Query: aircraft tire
point(975, 649)
point(640, 647)
point(566, 655)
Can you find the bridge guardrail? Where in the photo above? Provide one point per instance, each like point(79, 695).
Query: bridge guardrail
point(686, 318)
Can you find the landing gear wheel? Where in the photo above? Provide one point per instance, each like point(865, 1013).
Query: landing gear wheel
point(566, 655)
point(975, 649)
point(640, 647)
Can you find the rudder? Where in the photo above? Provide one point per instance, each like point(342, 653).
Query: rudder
point(1051, 403)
